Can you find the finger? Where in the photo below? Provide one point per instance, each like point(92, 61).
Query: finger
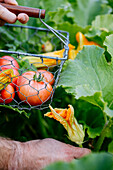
point(33, 142)
point(12, 2)
point(2, 22)
point(77, 152)
point(7, 16)
point(65, 151)
point(23, 18)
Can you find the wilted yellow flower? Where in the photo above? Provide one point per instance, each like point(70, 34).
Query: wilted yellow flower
point(37, 61)
point(5, 77)
point(82, 40)
point(67, 119)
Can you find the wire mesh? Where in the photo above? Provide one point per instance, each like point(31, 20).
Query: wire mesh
point(29, 86)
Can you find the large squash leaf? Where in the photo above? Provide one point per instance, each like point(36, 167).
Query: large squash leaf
point(84, 12)
point(53, 5)
point(103, 22)
point(101, 26)
point(89, 77)
point(109, 44)
point(88, 115)
point(94, 161)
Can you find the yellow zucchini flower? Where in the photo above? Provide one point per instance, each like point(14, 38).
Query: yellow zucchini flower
point(5, 78)
point(67, 119)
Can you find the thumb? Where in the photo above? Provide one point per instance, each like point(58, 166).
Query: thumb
point(7, 16)
point(12, 2)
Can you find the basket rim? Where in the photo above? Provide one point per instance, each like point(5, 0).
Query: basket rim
point(32, 27)
point(39, 55)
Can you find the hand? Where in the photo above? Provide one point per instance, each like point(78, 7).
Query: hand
point(7, 16)
point(37, 154)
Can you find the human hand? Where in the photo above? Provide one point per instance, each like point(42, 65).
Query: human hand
point(37, 154)
point(7, 16)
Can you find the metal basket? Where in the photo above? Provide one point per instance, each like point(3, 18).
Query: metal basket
point(19, 36)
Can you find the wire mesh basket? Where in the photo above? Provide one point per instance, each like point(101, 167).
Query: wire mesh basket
point(31, 86)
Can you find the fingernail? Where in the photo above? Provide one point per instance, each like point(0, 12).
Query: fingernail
point(14, 2)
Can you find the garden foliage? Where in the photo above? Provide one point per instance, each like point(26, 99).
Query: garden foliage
point(85, 82)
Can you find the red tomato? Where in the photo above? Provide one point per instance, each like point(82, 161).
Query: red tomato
point(32, 92)
point(16, 74)
point(48, 76)
point(8, 61)
point(7, 94)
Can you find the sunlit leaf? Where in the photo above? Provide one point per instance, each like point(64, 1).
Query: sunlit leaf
point(89, 77)
point(109, 44)
point(84, 12)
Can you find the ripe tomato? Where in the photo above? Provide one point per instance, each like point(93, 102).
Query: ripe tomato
point(15, 72)
point(7, 94)
point(48, 76)
point(8, 61)
point(32, 92)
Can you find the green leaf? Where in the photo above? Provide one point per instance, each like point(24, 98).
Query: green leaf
point(89, 77)
point(103, 22)
point(59, 15)
point(110, 2)
point(50, 5)
point(88, 115)
point(29, 3)
point(56, 11)
point(94, 161)
point(15, 109)
point(84, 12)
point(109, 44)
point(110, 147)
point(11, 123)
point(102, 26)
point(66, 26)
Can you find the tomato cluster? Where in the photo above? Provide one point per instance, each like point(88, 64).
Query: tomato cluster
point(32, 87)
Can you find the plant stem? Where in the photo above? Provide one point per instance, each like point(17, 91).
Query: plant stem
point(40, 125)
point(105, 117)
point(80, 145)
point(100, 141)
point(32, 130)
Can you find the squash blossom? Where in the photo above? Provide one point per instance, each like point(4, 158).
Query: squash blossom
point(6, 78)
point(37, 62)
point(82, 40)
point(67, 119)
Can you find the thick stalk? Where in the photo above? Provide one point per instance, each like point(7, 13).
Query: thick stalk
point(40, 124)
point(81, 146)
point(100, 141)
point(105, 117)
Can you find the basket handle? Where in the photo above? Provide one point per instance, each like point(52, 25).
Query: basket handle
point(31, 12)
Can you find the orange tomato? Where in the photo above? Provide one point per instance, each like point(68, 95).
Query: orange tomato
point(48, 76)
point(31, 91)
point(8, 61)
point(7, 95)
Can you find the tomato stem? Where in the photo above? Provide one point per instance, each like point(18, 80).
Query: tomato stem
point(39, 78)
